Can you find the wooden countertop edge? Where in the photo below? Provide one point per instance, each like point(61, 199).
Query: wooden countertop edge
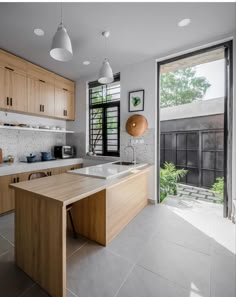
point(110, 183)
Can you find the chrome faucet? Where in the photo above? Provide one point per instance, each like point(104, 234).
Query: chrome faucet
point(134, 155)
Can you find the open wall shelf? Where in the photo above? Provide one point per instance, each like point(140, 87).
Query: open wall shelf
point(35, 129)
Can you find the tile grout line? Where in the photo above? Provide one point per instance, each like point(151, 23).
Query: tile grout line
point(127, 276)
point(72, 292)
point(11, 243)
point(77, 250)
point(181, 245)
point(164, 278)
point(27, 290)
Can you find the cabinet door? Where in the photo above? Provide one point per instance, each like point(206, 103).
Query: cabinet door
point(7, 202)
point(3, 98)
point(33, 97)
point(60, 103)
point(46, 94)
point(18, 100)
point(69, 105)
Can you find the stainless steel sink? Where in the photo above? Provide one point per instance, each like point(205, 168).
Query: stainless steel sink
point(123, 163)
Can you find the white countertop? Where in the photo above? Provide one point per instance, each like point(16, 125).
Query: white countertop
point(19, 167)
point(106, 171)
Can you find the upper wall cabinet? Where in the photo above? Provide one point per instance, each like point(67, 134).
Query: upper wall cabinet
point(64, 98)
point(13, 95)
point(28, 88)
point(41, 93)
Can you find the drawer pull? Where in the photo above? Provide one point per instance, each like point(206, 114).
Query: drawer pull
point(43, 81)
point(8, 68)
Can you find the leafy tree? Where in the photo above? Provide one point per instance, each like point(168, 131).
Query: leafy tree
point(182, 86)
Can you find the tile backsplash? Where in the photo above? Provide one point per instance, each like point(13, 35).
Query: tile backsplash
point(22, 143)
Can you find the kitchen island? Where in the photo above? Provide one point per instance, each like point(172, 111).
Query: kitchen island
point(101, 209)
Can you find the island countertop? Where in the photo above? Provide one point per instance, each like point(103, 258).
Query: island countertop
point(67, 188)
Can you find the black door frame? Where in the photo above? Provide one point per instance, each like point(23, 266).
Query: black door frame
point(228, 117)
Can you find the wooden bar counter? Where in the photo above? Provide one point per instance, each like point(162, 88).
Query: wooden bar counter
point(101, 209)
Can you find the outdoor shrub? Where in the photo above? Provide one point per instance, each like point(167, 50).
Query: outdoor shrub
point(169, 176)
point(218, 187)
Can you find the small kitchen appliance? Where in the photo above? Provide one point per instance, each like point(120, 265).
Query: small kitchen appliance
point(64, 151)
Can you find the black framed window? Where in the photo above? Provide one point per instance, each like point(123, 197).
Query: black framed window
point(104, 117)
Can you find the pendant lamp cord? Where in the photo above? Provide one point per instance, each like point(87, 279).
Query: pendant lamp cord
point(61, 12)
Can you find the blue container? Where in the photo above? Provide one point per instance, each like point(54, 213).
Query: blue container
point(46, 156)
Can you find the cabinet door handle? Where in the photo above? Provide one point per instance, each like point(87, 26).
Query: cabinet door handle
point(66, 112)
point(65, 89)
point(43, 81)
point(7, 100)
point(43, 108)
point(40, 107)
point(8, 68)
point(14, 180)
point(17, 179)
point(11, 101)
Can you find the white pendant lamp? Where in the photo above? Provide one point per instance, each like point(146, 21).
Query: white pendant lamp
point(105, 73)
point(61, 49)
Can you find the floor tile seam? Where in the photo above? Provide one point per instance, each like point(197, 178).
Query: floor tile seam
point(72, 292)
point(125, 279)
point(186, 248)
point(4, 253)
point(67, 258)
point(172, 283)
point(11, 243)
point(27, 290)
point(120, 256)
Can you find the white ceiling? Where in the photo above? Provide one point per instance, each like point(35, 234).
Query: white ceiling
point(138, 31)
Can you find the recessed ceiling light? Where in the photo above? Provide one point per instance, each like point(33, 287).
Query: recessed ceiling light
point(38, 32)
point(184, 22)
point(86, 63)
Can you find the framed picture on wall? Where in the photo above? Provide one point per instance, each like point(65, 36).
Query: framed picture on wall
point(136, 100)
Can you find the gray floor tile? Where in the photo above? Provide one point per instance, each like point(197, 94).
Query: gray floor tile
point(13, 281)
point(223, 272)
point(73, 244)
point(180, 265)
point(143, 283)
point(131, 241)
point(4, 245)
point(7, 226)
point(180, 232)
point(94, 271)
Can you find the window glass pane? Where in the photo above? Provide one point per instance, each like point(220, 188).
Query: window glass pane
point(104, 117)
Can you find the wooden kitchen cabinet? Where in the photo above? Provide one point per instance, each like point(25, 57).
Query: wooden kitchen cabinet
point(64, 98)
point(7, 201)
point(28, 88)
point(40, 91)
point(13, 88)
point(7, 195)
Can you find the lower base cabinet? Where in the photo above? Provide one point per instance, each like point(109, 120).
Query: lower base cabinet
point(7, 201)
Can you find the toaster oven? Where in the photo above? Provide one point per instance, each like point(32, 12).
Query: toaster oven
point(64, 151)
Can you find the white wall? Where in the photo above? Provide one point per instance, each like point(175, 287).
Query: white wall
point(194, 109)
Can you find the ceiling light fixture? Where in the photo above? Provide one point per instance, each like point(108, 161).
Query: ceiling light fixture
point(38, 32)
point(184, 22)
point(105, 73)
point(61, 49)
point(86, 63)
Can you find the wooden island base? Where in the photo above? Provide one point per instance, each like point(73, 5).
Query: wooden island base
point(41, 222)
